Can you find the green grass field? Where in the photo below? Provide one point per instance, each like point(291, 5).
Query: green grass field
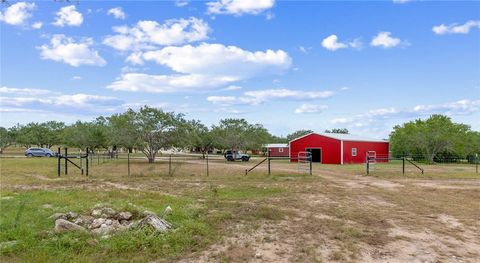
point(337, 214)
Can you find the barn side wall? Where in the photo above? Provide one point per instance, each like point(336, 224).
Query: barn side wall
point(275, 152)
point(330, 148)
point(381, 148)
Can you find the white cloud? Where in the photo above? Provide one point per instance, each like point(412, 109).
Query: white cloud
point(37, 25)
point(18, 13)
point(310, 108)
point(68, 16)
point(377, 116)
point(261, 96)
point(385, 40)
point(232, 87)
point(117, 12)
point(22, 92)
point(304, 50)
point(181, 3)
point(76, 78)
point(331, 43)
point(135, 58)
point(202, 67)
point(269, 15)
point(166, 83)
point(239, 7)
point(17, 99)
point(65, 49)
point(148, 34)
point(84, 100)
point(401, 1)
point(461, 107)
point(219, 60)
point(456, 28)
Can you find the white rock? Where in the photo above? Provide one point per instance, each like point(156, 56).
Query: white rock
point(168, 210)
point(72, 215)
point(156, 222)
point(96, 212)
point(108, 222)
point(97, 222)
point(62, 225)
point(124, 216)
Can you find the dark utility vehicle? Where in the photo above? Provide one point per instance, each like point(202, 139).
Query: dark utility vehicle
point(236, 156)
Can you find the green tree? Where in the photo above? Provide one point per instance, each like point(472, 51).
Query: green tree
point(93, 135)
point(157, 129)
point(6, 139)
point(200, 137)
point(32, 134)
point(297, 134)
point(258, 136)
point(122, 131)
point(430, 137)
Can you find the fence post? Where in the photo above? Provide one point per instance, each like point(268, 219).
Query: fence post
point(58, 157)
point(170, 165)
point(368, 166)
point(207, 163)
point(81, 160)
point(86, 162)
point(310, 164)
point(128, 162)
point(403, 165)
point(66, 161)
point(268, 157)
point(476, 163)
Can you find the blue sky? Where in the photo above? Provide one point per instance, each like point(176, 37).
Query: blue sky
point(289, 65)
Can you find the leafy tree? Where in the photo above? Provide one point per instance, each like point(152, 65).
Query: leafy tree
point(41, 134)
point(200, 137)
point(257, 137)
point(157, 129)
point(122, 130)
point(231, 133)
point(297, 134)
point(278, 139)
point(53, 132)
point(32, 134)
point(6, 139)
point(93, 135)
point(337, 130)
point(431, 137)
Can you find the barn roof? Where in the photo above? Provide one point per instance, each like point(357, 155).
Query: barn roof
point(276, 145)
point(343, 137)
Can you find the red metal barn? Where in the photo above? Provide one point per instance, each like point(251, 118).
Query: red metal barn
point(278, 149)
point(334, 148)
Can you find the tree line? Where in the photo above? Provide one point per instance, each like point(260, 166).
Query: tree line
point(435, 139)
point(148, 130)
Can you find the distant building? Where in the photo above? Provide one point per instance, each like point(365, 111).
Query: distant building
point(277, 149)
point(336, 148)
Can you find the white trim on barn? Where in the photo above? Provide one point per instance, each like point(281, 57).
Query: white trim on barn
point(276, 145)
point(342, 137)
point(341, 152)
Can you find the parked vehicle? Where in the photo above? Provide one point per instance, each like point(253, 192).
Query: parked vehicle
point(236, 156)
point(39, 152)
